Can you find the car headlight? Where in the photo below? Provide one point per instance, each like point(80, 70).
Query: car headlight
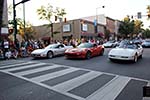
point(42, 55)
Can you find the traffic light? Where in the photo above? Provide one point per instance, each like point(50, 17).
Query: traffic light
point(82, 21)
point(55, 18)
point(148, 12)
point(65, 20)
point(139, 15)
point(23, 1)
point(148, 15)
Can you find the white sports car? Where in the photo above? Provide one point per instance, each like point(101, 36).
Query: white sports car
point(50, 51)
point(126, 52)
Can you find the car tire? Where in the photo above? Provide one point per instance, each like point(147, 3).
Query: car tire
point(111, 59)
point(135, 58)
point(141, 56)
point(101, 52)
point(50, 54)
point(88, 55)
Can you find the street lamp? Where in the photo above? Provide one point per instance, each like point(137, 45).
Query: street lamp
point(96, 20)
point(14, 17)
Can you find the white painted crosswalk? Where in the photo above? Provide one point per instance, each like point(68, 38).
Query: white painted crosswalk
point(66, 78)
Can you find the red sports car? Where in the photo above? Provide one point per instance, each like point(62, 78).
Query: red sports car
point(85, 50)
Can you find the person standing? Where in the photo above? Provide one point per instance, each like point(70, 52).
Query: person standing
point(6, 47)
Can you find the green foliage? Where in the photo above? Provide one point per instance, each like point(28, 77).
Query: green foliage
point(146, 33)
point(130, 27)
point(138, 26)
point(126, 28)
point(46, 13)
point(60, 12)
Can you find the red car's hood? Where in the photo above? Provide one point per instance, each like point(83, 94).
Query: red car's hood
point(76, 50)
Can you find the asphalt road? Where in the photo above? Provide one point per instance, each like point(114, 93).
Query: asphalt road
point(141, 69)
point(73, 79)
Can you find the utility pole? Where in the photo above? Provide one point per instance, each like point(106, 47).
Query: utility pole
point(1, 16)
point(15, 22)
point(96, 21)
point(24, 22)
point(14, 17)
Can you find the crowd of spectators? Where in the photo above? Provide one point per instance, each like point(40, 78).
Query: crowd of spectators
point(17, 49)
point(10, 49)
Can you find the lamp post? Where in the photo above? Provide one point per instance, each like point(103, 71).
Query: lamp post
point(24, 22)
point(96, 20)
point(14, 17)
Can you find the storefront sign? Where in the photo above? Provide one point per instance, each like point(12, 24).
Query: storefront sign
point(4, 30)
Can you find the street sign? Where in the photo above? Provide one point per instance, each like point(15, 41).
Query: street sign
point(95, 22)
point(139, 15)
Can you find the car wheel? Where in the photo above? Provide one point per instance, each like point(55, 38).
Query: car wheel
point(88, 55)
point(102, 52)
point(141, 56)
point(111, 59)
point(50, 55)
point(135, 58)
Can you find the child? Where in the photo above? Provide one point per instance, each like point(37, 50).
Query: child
point(8, 54)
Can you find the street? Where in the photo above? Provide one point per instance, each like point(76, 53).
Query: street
point(74, 79)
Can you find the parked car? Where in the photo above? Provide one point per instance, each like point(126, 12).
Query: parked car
point(110, 44)
point(85, 50)
point(126, 51)
point(146, 43)
point(137, 41)
point(50, 51)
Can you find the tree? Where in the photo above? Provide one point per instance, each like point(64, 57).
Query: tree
point(127, 27)
point(146, 33)
point(46, 13)
point(60, 12)
point(29, 32)
point(137, 27)
point(130, 27)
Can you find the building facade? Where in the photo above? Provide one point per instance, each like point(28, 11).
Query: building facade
point(76, 29)
point(106, 27)
point(110, 26)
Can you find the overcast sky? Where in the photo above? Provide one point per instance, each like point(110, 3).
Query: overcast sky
point(116, 9)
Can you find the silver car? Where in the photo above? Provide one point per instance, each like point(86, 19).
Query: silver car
point(50, 51)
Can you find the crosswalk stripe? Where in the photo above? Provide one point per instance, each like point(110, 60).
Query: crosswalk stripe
point(53, 75)
point(43, 85)
point(73, 83)
point(37, 70)
point(23, 67)
point(12, 62)
point(21, 64)
point(111, 90)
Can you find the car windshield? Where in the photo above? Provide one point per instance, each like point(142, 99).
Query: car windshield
point(147, 41)
point(130, 46)
point(51, 46)
point(85, 45)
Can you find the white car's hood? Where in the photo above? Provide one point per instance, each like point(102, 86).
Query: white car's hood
point(38, 51)
point(122, 51)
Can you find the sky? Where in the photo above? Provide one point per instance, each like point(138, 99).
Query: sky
point(116, 9)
